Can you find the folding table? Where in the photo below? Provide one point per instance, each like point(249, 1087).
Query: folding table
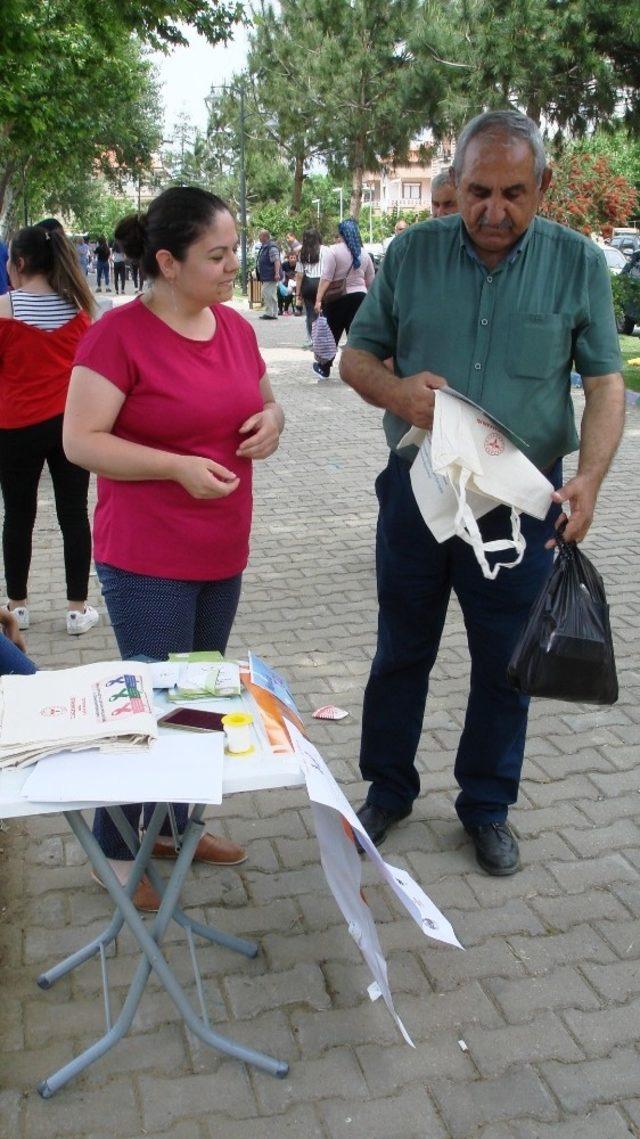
point(249, 774)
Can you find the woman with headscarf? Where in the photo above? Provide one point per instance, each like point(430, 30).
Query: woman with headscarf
point(347, 274)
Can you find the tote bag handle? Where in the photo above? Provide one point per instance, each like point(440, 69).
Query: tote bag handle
point(467, 528)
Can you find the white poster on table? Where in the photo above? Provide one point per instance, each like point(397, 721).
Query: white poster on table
point(181, 767)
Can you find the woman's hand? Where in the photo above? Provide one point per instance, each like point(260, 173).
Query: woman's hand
point(9, 623)
point(263, 430)
point(202, 478)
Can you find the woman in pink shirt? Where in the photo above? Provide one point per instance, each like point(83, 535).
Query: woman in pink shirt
point(170, 404)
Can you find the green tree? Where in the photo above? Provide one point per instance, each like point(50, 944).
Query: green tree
point(570, 63)
point(93, 206)
point(278, 89)
point(114, 133)
point(76, 88)
point(335, 75)
point(267, 168)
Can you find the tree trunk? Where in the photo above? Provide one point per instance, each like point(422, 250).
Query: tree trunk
point(298, 179)
point(534, 111)
point(355, 203)
point(5, 179)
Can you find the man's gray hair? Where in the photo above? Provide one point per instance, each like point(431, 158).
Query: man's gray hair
point(440, 180)
point(512, 124)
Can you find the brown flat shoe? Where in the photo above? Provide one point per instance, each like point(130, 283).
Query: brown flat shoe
point(211, 848)
point(144, 898)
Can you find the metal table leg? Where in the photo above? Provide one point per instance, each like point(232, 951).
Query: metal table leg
point(149, 942)
point(99, 943)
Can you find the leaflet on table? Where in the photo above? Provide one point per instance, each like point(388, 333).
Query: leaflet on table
point(265, 677)
point(168, 673)
point(176, 770)
point(197, 681)
point(274, 703)
point(335, 822)
point(107, 705)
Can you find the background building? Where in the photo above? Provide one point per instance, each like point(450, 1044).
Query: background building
point(407, 186)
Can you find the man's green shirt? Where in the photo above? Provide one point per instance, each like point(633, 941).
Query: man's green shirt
point(506, 337)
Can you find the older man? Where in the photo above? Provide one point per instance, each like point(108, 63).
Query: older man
point(398, 228)
point(268, 270)
point(444, 196)
point(500, 304)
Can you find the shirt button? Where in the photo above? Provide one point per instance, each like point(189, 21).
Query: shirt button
point(484, 320)
point(477, 367)
point(489, 280)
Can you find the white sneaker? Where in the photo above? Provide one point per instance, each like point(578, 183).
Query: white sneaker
point(81, 622)
point(21, 614)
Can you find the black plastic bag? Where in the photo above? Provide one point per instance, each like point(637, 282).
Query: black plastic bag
point(565, 651)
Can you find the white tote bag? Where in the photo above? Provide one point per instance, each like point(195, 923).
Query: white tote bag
point(467, 467)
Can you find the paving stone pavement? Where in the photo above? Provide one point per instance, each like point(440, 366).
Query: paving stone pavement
point(546, 997)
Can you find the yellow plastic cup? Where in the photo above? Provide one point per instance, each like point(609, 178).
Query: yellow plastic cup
point(237, 729)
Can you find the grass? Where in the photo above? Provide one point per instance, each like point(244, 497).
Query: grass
point(630, 348)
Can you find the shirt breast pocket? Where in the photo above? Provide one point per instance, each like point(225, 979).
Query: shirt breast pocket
point(539, 344)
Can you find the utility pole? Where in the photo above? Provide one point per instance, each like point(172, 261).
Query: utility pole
point(242, 178)
point(243, 197)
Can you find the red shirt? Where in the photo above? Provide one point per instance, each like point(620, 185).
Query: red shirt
point(188, 397)
point(35, 367)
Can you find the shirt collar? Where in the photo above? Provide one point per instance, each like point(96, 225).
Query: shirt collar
point(512, 255)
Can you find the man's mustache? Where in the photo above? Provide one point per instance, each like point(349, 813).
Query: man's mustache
point(503, 226)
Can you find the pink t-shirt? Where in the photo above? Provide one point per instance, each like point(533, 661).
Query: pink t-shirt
point(188, 397)
point(337, 264)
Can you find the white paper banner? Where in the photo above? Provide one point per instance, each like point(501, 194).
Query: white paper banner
point(342, 867)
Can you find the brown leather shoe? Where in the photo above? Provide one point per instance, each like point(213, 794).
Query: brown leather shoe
point(144, 898)
point(211, 848)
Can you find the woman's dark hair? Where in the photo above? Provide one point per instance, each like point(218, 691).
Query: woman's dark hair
point(174, 220)
point(311, 242)
point(50, 225)
point(49, 252)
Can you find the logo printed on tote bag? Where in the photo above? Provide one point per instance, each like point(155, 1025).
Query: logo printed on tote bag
point(494, 443)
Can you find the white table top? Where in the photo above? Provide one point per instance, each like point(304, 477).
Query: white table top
point(261, 770)
point(256, 772)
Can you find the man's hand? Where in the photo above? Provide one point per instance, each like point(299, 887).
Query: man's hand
point(9, 623)
point(202, 478)
point(263, 430)
point(414, 398)
point(581, 493)
point(411, 398)
point(600, 431)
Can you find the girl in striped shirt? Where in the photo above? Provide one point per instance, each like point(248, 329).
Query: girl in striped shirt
point(41, 323)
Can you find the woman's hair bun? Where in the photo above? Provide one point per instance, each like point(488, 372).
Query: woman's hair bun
point(131, 231)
